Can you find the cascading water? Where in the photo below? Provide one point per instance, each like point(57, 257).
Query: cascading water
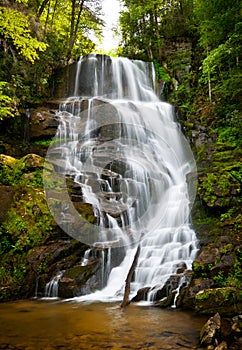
point(51, 288)
point(122, 146)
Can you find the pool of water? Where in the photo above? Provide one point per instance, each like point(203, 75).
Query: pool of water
point(48, 325)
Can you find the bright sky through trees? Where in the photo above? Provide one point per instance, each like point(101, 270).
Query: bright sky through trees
point(111, 10)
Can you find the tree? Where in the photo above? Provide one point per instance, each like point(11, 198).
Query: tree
point(15, 35)
point(218, 27)
point(71, 24)
point(36, 36)
point(146, 24)
point(6, 102)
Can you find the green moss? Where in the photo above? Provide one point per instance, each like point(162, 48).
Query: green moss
point(223, 300)
point(25, 171)
point(219, 188)
point(45, 143)
point(79, 273)
point(201, 270)
point(234, 277)
point(86, 211)
point(28, 222)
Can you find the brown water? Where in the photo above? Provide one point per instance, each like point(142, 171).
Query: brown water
point(43, 325)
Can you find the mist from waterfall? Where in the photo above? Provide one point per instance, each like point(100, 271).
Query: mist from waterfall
point(124, 148)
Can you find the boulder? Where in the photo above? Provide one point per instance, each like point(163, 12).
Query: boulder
point(43, 123)
point(189, 293)
point(210, 331)
point(220, 333)
point(78, 280)
point(224, 300)
point(141, 294)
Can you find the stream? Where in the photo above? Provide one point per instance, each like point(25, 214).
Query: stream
point(54, 324)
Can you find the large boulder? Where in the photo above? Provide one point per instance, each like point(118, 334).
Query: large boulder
point(43, 123)
point(220, 333)
point(210, 332)
point(224, 300)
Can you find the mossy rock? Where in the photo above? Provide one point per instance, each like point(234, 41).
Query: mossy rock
point(77, 279)
point(226, 301)
point(7, 161)
point(86, 211)
point(32, 161)
point(79, 273)
point(25, 171)
point(219, 189)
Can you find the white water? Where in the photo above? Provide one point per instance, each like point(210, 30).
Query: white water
point(128, 154)
point(51, 288)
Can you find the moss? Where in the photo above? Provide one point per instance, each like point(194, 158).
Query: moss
point(81, 273)
point(86, 211)
point(25, 171)
point(28, 222)
point(224, 300)
point(219, 189)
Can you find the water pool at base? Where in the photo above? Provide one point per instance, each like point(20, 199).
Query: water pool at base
point(49, 325)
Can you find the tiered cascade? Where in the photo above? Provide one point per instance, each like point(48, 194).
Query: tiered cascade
point(125, 153)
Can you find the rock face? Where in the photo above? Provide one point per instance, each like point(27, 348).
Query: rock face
point(43, 123)
point(222, 333)
point(225, 300)
point(33, 249)
point(6, 198)
point(210, 331)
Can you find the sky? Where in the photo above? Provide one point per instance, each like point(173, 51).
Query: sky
point(111, 10)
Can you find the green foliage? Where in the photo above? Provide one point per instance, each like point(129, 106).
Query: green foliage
point(6, 242)
point(27, 171)
point(234, 277)
point(6, 102)
point(201, 270)
point(14, 28)
point(161, 73)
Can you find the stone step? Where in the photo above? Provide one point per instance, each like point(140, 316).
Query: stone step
point(110, 195)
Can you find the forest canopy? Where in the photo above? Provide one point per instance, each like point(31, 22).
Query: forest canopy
point(36, 37)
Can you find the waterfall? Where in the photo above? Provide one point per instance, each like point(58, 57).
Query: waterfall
point(51, 288)
point(126, 151)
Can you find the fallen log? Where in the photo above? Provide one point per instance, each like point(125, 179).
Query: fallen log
point(126, 300)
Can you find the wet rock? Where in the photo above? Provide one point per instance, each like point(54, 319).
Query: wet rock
point(7, 161)
point(221, 333)
point(226, 263)
point(210, 331)
point(78, 281)
point(188, 294)
point(206, 257)
point(222, 346)
point(141, 294)
point(32, 162)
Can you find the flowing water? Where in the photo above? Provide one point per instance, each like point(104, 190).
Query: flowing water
point(123, 147)
point(41, 325)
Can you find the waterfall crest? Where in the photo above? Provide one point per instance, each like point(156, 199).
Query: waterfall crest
point(122, 146)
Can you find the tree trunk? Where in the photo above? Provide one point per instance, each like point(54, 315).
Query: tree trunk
point(41, 9)
point(126, 301)
point(74, 24)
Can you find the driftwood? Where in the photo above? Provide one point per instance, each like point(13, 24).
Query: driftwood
point(126, 301)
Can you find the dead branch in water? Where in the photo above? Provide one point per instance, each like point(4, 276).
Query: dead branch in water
point(126, 301)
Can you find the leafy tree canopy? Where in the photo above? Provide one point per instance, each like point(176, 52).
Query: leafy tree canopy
point(16, 36)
